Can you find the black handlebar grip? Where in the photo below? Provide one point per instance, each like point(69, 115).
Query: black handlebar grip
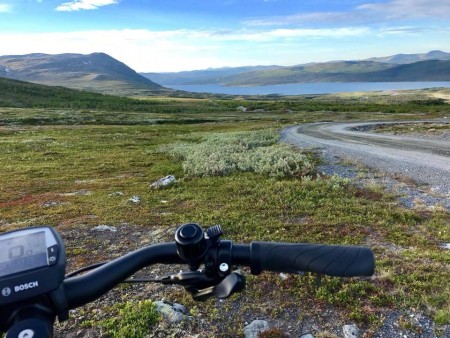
point(332, 260)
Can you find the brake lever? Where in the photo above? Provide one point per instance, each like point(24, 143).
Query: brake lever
point(201, 287)
point(188, 278)
point(232, 283)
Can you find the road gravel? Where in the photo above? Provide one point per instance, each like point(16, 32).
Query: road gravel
point(424, 160)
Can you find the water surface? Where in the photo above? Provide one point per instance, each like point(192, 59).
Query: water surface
point(309, 88)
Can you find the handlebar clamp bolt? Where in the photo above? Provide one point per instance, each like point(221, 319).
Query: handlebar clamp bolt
point(214, 232)
point(224, 267)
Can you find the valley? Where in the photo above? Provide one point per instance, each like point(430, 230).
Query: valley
point(77, 160)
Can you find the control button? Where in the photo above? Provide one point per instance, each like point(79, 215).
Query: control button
point(188, 232)
point(52, 253)
point(26, 334)
point(6, 292)
point(52, 250)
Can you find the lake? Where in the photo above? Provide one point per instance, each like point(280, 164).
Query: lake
point(309, 88)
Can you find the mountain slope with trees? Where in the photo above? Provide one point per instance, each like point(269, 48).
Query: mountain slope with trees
point(21, 94)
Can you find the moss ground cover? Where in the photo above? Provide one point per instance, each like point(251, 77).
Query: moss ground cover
point(73, 175)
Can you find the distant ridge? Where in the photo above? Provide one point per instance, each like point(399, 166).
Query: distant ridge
point(200, 76)
point(431, 66)
point(411, 58)
point(97, 72)
point(432, 70)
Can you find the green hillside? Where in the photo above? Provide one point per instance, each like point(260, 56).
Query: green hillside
point(22, 94)
point(348, 71)
point(433, 70)
point(348, 67)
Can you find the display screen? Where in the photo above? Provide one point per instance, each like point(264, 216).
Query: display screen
point(22, 253)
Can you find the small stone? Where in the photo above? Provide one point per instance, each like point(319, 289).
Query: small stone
point(283, 276)
point(172, 312)
point(51, 204)
point(163, 182)
point(104, 227)
point(309, 335)
point(82, 192)
point(255, 328)
point(350, 331)
point(135, 199)
point(446, 246)
point(116, 193)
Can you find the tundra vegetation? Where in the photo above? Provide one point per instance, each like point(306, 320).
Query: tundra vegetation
point(72, 160)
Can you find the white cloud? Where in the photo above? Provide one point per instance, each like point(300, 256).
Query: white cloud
point(409, 9)
point(176, 50)
point(146, 50)
point(5, 8)
point(77, 5)
point(365, 14)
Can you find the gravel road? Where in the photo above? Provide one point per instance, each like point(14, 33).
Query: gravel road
point(425, 160)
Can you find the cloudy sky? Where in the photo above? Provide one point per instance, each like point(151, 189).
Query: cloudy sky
point(174, 35)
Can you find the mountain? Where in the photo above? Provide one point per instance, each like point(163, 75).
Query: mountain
point(348, 71)
point(94, 72)
point(387, 68)
point(212, 75)
point(411, 58)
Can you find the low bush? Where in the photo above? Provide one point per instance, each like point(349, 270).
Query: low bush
point(220, 154)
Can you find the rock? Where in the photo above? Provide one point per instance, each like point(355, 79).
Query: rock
point(51, 204)
point(446, 246)
point(172, 312)
point(135, 199)
point(116, 193)
point(104, 227)
point(82, 192)
point(241, 109)
point(253, 329)
point(350, 331)
point(309, 335)
point(163, 182)
point(283, 276)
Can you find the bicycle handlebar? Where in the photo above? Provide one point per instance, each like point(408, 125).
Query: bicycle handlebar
point(194, 247)
point(83, 289)
point(333, 260)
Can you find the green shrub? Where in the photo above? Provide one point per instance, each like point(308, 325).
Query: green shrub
point(133, 320)
point(256, 151)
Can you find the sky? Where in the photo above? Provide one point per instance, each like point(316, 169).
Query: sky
point(177, 35)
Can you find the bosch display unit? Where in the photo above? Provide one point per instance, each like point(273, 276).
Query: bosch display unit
point(32, 263)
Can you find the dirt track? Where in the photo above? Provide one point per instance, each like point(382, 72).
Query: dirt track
point(424, 160)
